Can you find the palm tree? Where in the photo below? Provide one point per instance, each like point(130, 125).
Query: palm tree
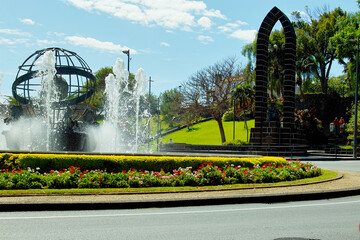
point(243, 96)
point(276, 62)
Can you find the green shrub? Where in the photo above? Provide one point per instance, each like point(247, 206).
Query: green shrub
point(48, 162)
point(229, 116)
point(235, 142)
point(9, 161)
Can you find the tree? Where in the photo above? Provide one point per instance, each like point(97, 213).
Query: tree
point(276, 62)
point(170, 107)
point(243, 97)
point(314, 34)
point(97, 100)
point(249, 51)
point(276, 49)
point(208, 90)
point(345, 43)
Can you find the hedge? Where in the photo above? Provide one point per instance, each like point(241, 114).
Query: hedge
point(116, 163)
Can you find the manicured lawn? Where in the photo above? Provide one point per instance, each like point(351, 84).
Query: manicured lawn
point(207, 133)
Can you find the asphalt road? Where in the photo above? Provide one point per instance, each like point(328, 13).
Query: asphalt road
point(348, 165)
point(323, 219)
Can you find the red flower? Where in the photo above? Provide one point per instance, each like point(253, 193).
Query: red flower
point(124, 171)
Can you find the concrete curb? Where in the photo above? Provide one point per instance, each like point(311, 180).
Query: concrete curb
point(270, 198)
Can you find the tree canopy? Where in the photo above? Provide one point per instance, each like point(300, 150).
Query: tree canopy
point(208, 90)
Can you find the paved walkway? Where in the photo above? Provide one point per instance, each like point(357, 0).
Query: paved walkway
point(347, 184)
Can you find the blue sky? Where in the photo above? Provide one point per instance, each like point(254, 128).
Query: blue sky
point(169, 39)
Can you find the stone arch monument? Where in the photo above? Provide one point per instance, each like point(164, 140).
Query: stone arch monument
point(272, 131)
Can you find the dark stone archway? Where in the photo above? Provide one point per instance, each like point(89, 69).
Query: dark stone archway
point(267, 131)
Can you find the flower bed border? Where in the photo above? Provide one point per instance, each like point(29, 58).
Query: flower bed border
point(328, 175)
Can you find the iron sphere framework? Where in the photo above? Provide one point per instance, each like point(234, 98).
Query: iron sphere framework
point(73, 77)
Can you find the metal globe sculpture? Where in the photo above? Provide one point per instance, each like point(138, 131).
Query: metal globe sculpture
point(74, 79)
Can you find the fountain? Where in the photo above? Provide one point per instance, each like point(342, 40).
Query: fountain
point(51, 88)
point(120, 130)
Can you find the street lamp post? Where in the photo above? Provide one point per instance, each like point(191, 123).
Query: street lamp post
point(234, 119)
point(356, 99)
point(158, 124)
point(127, 52)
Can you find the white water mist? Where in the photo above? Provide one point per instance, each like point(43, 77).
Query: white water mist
point(120, 130)
point(48, 92)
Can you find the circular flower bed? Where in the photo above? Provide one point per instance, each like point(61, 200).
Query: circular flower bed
point(206, 174)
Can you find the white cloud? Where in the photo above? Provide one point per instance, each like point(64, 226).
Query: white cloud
point(187, 29)
point(246, 35)
point(165, 44)
point(232, 26)
point(302, 13)
point(97, 44)
point(214, 13)
point(7, 41)
point(239, 22)
point(172, 14)
point(224, 29)
point(205, 22)
point(205, 39)
point(57, 34)
point(45, 42)
point(27, 21)
point(14, 32)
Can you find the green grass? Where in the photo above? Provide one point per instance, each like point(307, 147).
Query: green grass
point(207, 133)
point(326, 175)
